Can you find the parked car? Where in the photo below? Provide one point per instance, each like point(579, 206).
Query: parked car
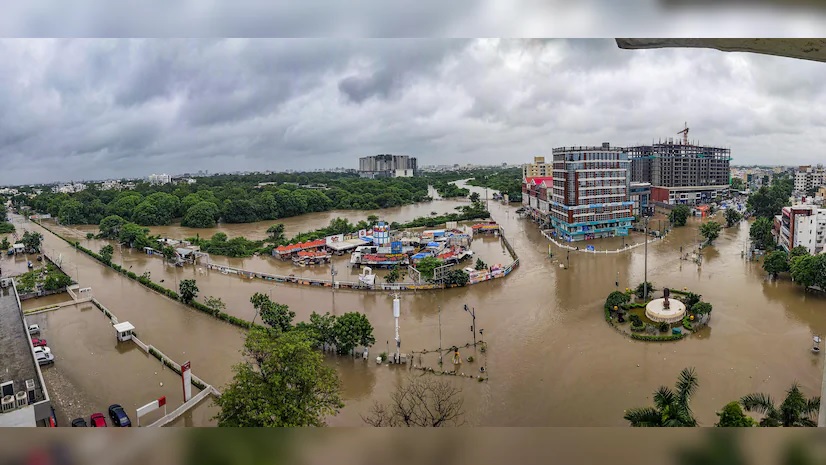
point(79, 423)
point(98, 420)
point(42, 350)
point(34, 329)
point(44, 359)
point(38, 342)
point(118, 416)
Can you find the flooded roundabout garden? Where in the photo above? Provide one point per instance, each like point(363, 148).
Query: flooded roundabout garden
point(549, 358)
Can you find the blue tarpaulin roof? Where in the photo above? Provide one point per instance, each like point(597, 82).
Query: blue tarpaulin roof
point(420, 255)
point(433, 244)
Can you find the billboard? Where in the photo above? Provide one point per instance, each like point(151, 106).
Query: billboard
point(334, 238)
point(186, 378)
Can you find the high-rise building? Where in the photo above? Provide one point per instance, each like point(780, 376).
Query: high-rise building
point(590, 192)
point(681, 173)
point(388, 166)
point(536, 169)
point(807, 178)
point(160, 179)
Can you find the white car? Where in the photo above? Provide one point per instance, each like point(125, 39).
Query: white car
point(44, 359)
point(42, 350)
point(34, 329)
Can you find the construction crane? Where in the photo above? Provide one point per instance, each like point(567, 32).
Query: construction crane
point(684, 132)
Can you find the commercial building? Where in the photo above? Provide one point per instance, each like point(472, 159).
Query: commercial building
point(589, 196)
point(681, 173)
point(23, 395)
point(160, 179)
point(808, 178)
point(387, 166)
point(801, 225)
point(536, 194)
point(536, 169)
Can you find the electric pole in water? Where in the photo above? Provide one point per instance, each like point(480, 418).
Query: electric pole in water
point(333, 274)
point(472, 312)
point(440, 334)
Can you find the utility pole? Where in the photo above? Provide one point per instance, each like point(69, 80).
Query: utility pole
point(472, 312)
point(645, 278)
point(333, 274)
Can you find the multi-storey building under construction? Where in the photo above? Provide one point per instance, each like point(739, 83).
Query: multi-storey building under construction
point(681, 173)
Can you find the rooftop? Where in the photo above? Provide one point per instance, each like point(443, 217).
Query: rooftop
point(15, 344)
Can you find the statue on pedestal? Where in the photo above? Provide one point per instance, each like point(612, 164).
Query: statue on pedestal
point(666, 294)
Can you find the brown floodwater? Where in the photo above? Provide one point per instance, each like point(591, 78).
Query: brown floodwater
point(552, 360)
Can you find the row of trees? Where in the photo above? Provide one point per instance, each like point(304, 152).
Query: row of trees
point(507, 181)
point(230, 199)
point(672, 408)
point(768, 201)
point(805, 269)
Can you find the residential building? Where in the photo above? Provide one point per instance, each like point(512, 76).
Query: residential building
point(807, 178)
point(682, 173)
point(640, 195)
point(70, 188)
point(160, 179)
point(536, 169)
point(536, 194)
point(590, 192)
point(25, 400)
point(387, 166)
point(801, 225)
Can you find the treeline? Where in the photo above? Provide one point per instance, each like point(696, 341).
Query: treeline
point(232, 199)
point(769, 201)
point(506, 181)
point(805, 269)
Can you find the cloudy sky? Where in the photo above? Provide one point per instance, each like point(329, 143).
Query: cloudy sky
point(91, 109)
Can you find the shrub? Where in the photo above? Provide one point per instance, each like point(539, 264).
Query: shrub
point(664, 327)
point(640, 291)
point(657, 338)
point(616, 299)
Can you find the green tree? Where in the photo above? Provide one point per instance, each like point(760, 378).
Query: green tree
point(6, 228)
point(761, 233)
point(796, 409)
point(804, 270)
point(737, 184)
point(702, 308)
point(188, 290)
point(640, 290)
point(352, 329)
point(32, 240)
point(201, 215)
point(110, 226)
point(474, 197)
point(456, 278)
point(671, 407)
point(710, 230)
point(5, 245)
point(480, 265)
point(616, 299)
point(372, 219)
point(798, 251)
point(132, 234)
point(215, 304)
point(427, 266)
point(276, 233)
point(283, 382)
point(732, 416)
point(320, 327)
point(125, 205)
point(239, 211)
point(392, 276)
point(732, 216)
point(691, 299)
point(168, 252)
point(277, 316)
point(679, 215)
point(106, 253)
point(148, 214)
point(776, 262)
point(71, 212)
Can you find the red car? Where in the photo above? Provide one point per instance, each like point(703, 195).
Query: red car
point(97, 420)
point(38, 342)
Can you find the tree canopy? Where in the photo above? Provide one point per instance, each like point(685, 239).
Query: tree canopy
point(278, 316)
point(352, 329)
point(776, 262)
point(671, 407)
point(679, 215)
point(283, 382)
point(710, 230)
point(420, 401)
point(761, 233)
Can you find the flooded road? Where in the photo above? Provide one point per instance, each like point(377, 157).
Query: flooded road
point(552, 359)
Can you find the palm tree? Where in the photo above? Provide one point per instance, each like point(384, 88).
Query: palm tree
point(670, 407)
point(796, 409)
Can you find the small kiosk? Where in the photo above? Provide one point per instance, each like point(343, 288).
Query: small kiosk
point(124, 331)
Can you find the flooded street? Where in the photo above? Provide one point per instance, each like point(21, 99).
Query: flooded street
point(552, 360)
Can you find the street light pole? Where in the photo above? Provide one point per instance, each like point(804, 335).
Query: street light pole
point(333, 274)
point(440, 334)
point(472, 312)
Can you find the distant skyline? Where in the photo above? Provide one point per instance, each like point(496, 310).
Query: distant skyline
point(96, 109)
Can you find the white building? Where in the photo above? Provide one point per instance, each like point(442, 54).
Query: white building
point(70, 188)
point(160, 179)
point(808, 177)
point(802, 225)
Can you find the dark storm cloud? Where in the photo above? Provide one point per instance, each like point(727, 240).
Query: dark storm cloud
point(85, 109)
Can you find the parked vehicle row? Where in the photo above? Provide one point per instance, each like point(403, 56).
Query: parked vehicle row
point(42, 353)
point(117, 415)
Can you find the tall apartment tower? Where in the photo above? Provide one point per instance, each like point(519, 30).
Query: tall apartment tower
point(590, 192)
point(388, 166)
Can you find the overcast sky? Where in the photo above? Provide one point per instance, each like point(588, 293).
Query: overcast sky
point(90, 109)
